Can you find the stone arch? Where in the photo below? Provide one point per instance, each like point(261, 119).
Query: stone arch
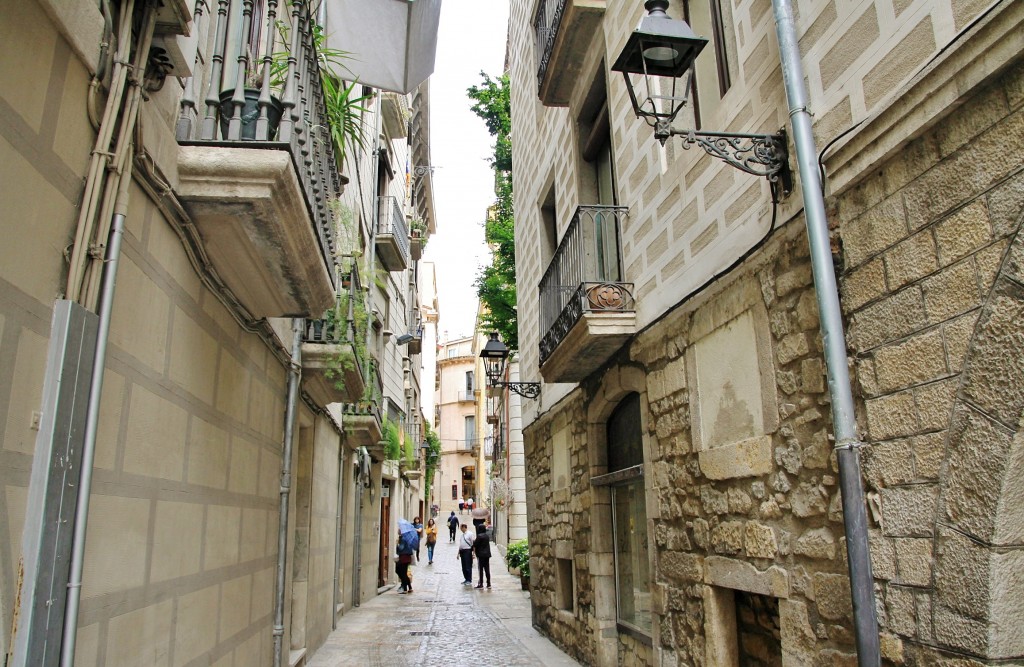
point(978, 599)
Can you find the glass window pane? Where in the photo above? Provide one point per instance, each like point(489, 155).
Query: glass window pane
point(632, 576)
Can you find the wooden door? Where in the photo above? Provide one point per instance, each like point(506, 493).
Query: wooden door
point(384, 562)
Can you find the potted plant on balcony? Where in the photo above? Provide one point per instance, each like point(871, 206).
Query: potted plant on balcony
point(250, 103)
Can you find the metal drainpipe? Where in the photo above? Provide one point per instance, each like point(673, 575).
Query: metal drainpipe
point(70, 631)
point(357, 537)
point(104, 309)
point(370, 268)
point(847, 443)
point(294, 375)
point(337, 531)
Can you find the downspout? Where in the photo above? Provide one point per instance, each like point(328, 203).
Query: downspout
point(337, 532)
point(357, 537)
point(294, 375)
point(848, 444)
point(104, 310)
point(357, 560)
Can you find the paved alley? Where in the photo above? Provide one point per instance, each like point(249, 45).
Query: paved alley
point(442, 623)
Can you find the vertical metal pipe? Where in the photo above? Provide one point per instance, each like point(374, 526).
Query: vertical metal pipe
point(294, 375)
point(106, 304)
point(844, 422)
point(357, 537)
point(337, 533)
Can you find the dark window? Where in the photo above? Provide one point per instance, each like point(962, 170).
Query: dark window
point(625, 445)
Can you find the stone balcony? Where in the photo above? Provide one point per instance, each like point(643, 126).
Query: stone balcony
point(331, 370)
point(392, 235)
point(250, 210)
point(563, 30)
point(253, 173)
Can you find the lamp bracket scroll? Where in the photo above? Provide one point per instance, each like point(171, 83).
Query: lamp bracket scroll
point(524, 389)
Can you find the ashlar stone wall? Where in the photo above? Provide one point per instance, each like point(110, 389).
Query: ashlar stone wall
point(931, 257)
point(768, 524)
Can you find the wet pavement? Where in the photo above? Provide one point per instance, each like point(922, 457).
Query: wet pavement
point(442, 623)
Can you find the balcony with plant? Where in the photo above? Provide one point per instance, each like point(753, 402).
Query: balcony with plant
point(265, 123)
point(363, 421)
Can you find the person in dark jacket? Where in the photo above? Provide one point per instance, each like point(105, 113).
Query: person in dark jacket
point(482, 549)
point(453, 525)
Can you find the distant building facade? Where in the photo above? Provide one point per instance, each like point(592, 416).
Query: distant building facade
point(455, 401)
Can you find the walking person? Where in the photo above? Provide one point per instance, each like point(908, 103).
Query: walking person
point(418, 525)
point(431, 531)
point(453, 525)
point(466, 540)
point(482, 549)
point(462, 504)
point(408, 542)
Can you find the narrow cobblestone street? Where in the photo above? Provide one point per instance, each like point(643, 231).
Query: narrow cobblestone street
point(443, 623)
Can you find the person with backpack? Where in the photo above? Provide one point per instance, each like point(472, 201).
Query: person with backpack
point(453, 525)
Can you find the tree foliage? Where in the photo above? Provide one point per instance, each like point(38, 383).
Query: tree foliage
point(496, 283)
point(433, 456)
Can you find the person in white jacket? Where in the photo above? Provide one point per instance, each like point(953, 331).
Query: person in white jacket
point(466, 540)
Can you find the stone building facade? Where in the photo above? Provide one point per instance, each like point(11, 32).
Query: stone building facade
point(183, 534)
point(681, 486)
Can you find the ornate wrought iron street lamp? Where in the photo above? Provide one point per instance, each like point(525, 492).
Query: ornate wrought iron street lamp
point(495, 355)
point(658, 66)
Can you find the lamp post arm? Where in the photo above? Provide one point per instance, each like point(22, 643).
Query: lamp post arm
point(524, 389)
point(758, 154)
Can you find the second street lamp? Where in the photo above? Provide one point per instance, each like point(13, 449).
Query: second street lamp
point(495, 355)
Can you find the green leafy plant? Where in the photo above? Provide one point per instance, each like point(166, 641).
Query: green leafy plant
point(343, 103)
point(518, 556)
point(392, 440)
point(496, 283)
point(433, 456)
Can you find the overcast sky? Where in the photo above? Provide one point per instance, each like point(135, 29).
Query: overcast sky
point(471, 38)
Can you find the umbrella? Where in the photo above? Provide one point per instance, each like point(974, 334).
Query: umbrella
point(481, 513)
point(408, 532)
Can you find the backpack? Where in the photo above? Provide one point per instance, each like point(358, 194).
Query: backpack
point(408, 543)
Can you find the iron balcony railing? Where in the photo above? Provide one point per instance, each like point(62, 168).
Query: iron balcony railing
point(585, 275)
point(466, 445)
point(340, 324)
point(545, 25)
point(391, 220)
point(467, 396)
point(261, 88)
